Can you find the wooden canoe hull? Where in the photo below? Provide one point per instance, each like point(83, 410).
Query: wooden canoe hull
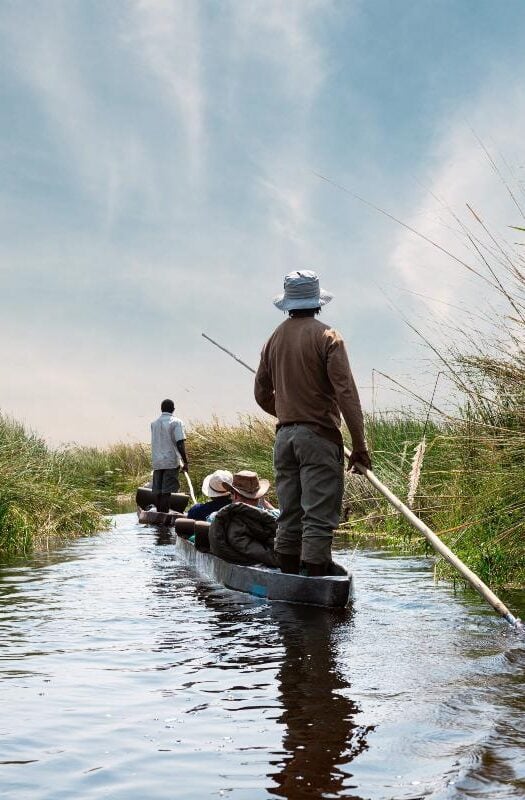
point(158, 518)
point(271, 584)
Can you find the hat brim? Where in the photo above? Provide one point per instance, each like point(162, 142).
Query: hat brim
point(284, 303)
point(264, 485)
point(208, 491)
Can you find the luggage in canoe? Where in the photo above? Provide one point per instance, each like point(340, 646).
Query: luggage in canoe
point(145, 498)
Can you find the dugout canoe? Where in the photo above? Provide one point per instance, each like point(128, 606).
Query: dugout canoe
point(330, 591)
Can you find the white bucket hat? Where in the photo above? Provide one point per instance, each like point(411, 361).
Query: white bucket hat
point(301, 290)
point(212, 485)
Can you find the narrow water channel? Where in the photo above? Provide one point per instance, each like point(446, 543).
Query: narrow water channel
point(125, 675)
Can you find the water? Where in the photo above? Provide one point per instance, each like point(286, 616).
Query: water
point(123, 675)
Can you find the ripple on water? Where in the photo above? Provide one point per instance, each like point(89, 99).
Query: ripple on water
point(125, 675)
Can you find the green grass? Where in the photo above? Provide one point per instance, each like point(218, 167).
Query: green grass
point(470, 488)
point(111, 475)
point(247, 445)
point(38, 499)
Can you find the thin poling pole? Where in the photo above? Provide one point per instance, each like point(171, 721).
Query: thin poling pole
point(442, 549)
point(429, 535)
point(190, 486)
point(229, 353)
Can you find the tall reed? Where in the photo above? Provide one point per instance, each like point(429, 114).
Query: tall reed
point(483, 440)
point(38, 499)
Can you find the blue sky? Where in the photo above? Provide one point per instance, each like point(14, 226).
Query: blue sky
point(159, 166)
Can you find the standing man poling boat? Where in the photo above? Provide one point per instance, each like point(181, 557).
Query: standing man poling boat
point(168, 455)
point(304, 379)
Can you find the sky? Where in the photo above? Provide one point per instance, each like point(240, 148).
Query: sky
point(161, 167)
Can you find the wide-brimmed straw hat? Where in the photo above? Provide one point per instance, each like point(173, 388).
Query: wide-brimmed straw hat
point(301, 290)
point(212, 485)
point(247, 484)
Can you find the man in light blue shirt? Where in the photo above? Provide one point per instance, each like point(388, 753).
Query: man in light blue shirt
point(168, 455)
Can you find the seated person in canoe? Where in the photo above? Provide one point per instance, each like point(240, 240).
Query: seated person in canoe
point(243, 532)
point(212, 487)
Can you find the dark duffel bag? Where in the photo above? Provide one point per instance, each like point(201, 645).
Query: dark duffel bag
point(202, 536)
point(185, 528)
point(145, 498)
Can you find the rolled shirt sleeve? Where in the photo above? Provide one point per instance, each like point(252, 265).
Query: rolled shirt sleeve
point(177, 431)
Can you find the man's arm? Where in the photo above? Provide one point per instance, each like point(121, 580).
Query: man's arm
point(178, 437)
point(347, 397)
point(182, 450)
point(263, 388)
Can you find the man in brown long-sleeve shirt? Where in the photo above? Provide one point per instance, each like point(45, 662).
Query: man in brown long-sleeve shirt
point(304, 379)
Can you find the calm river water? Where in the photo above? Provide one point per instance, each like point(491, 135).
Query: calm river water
point(124, 675)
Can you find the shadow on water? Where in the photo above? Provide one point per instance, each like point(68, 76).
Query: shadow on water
point(316, 711)
point(320, 733)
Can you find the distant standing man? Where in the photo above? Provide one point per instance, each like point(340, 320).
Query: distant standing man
point(304, 379)
point(168, 454)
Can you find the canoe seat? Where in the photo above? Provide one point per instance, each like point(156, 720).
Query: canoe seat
point(202, 536)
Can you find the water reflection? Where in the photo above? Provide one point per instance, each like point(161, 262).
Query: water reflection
point(163, 536)
point(314, 704)
point(321, 737)
point(124, 665)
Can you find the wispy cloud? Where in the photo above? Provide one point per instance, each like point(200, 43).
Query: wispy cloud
point(288, 208)
point(167, 36)
point(280, 43)
point(99, 155)
point(158, 161)
point(287, 35)
point(463, 174)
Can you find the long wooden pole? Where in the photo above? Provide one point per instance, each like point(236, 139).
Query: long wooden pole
point(441, 548)
point(224, 350)
point(429, 535)
point(190, 486)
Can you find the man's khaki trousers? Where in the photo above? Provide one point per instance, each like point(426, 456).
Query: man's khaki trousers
point(309, 476)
